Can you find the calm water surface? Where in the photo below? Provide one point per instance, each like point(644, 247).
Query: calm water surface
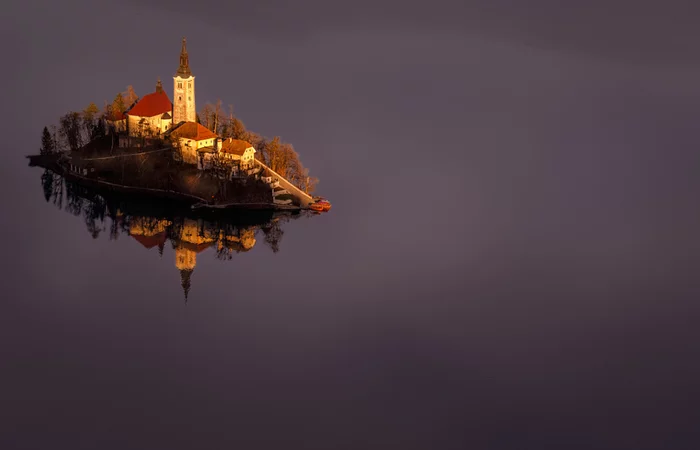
point(511, 261)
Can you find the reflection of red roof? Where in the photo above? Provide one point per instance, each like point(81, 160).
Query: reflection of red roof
point(194, 130)
point(153, 104)
point(150, 241)
point(235, 146)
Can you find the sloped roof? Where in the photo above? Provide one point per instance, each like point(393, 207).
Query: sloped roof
point(193, 130)
point(166, 115)
point(235, 146)
point(150, 241)
point(153, 104)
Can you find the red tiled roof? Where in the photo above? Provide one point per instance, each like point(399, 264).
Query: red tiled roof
point(151, 105)
point(235, 146)
point(150, 241)
point(194, 130)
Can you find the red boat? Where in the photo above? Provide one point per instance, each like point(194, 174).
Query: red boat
point(320, 204)
point(323, 203)
point(316, 206)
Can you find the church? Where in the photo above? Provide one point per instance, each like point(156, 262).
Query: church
point(154, 115)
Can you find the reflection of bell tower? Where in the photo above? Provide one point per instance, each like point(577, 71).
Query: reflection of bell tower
point(183, 90)
point(185, 260)
point(185, 281)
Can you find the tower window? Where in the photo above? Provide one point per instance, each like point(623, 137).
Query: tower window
point(179, 98)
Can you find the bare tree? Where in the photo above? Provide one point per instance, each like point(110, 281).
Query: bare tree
point(130, 96)
point(218, 114)
point(71, 130)
point(89, 120)
point(206, 115)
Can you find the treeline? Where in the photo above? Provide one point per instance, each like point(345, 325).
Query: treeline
point(74, 130)
point(77, 128)
point(95, 209)
point(278, 155)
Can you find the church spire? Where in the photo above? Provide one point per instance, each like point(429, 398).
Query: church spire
point(159, 86)
point(184, 69)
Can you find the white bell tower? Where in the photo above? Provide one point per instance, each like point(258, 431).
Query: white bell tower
point(183, 90)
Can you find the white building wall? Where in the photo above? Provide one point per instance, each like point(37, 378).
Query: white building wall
point(183, 100)
point(154, 124)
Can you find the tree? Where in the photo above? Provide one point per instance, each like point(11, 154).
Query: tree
point(90, 120)
point(99, 129)
point(238, 130)
point(58, 147)
point(207, 113)
point(47, 143)
point(71, 130)
point(130, 97)
point(47, 182)
point(118, 106)
point(217, 115)
point(221, 168)
point(273, 235)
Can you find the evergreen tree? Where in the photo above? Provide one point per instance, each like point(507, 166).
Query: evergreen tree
point(47, 144)
point(118, 105)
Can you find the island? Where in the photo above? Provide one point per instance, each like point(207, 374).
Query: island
point(152, 146)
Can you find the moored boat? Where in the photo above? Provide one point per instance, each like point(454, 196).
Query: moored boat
point(315, 207)
point(323, 203)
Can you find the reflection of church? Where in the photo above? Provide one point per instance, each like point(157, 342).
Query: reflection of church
point(188, 240)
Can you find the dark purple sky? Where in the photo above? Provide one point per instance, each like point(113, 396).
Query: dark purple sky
point(511, 260)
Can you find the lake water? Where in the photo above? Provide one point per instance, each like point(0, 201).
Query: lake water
point(511, 261)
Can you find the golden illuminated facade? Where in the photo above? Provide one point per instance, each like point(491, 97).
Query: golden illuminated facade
point(193, 238)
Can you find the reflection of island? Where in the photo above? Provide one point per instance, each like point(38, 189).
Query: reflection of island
point(153, 225)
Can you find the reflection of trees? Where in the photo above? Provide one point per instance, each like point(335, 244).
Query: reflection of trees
point(273, 235)
point(153, 223)
point(47, 184)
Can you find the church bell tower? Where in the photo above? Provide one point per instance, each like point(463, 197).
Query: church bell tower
point(183, 90)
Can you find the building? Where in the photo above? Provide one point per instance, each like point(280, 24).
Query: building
point(151, 115)
point(183, 90)
point(239, 151)
point(195, 142)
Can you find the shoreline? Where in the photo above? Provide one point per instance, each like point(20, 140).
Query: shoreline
point(51, 162)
